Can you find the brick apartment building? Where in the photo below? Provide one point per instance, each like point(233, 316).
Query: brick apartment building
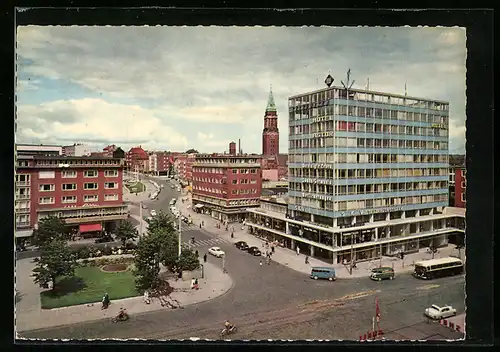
point(159, 163)
point(225, 185)
point(460, 187)
point(183, 167)
point(137, 159)
point(84, 191)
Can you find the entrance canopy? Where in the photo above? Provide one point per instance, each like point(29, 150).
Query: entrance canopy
point(198, 206)
point(24, 233)
point(90, 228)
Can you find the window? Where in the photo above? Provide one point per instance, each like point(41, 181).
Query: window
point(109, 197)
point(90, 173)
point(253, 182)
point(69, 174)
point(46, 174)
point(90, 186)
point(235, 171)
point(91, 198)
point(243, 171)
point(111, 173)
point(110, 185)
point(253, 171)
point(46, 200)
point(47, 188)
point(69, 186)
point(234, 181)
point(69, 199)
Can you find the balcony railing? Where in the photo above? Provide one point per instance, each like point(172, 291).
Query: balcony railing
point(22, 196)
point(23, 183)
point(23, 210)
point(22, 223)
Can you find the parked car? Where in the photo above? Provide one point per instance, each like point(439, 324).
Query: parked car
point(242, 245)
point(153, 212)
point(144, 206)
point(104, 239)
point(382, 273)
point(318, 272)
point(436, 312)
point(178, 189)
point(254, 251)
point(172, 186)
point(216, 251)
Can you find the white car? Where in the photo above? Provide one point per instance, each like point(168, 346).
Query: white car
point(216, 251)
point(178, 189)
point(436, 312)
point(153, 212)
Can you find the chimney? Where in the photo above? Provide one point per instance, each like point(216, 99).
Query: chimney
point(239, 146)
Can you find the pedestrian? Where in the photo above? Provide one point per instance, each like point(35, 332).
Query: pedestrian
point(203, 223)
point(200, 225)
point(232, 234)
point(272, 249)
point(197, 254)
point(205, 257)
point(260, 263)
point(269, 260)
point(298, 250)
point(307, 259)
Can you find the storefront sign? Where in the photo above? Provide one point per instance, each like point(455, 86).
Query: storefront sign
point(438, 125)
point(317, 196)
point(323, 134)
point(316, 165)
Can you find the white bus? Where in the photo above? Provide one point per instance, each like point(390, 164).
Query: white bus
point(434, 268)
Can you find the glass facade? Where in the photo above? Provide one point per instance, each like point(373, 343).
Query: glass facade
point(367, 154)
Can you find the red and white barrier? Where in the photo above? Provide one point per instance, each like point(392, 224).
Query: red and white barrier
point(371, 335)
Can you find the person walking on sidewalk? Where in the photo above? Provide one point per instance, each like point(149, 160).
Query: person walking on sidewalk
point(202, 223)
point(298, 250)
point(205, 257)
point(307, 259)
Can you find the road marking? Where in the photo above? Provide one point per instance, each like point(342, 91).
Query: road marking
point(359, 295)
point(427, 287)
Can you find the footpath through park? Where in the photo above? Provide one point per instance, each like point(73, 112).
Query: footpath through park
point(30, 316)
point(296, 262)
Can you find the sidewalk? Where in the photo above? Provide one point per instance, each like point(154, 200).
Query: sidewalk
point(30, 316)
point(296, 262)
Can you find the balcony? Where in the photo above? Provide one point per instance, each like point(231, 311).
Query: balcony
point(22, 196)
point(22, 224)
point(23, 183)
point(23, 210)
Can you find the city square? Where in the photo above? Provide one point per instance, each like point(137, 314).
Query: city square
point(329, 210)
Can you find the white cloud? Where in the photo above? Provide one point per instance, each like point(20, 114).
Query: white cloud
point(215, 80)
point(96, 121)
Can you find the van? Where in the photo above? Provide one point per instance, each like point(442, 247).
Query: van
point(382, 273)
point(323, 273)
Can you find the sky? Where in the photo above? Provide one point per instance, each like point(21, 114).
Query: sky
point(177, 88)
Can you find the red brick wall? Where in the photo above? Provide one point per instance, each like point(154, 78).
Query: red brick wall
point(460, 188)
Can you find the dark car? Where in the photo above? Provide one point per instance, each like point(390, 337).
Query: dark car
point(104, 239)
point(254, 251)
point(382, 273)
point(241, 245)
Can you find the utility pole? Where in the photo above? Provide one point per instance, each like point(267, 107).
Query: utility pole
point(224, 263)
point(180, 237)
point(140, 220)
point(352, 253)
point(380, 265)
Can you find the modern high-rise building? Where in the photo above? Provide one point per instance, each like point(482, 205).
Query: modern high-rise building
point(368, 174)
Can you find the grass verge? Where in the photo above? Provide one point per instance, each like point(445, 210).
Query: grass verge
point(89, 286)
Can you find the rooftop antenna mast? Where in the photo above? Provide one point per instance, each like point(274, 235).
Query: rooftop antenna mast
point(348, 84)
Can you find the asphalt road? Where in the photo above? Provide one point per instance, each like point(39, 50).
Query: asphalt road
point(275, 302)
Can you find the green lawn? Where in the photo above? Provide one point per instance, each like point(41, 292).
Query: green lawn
point(136, 187)
point(88, 286)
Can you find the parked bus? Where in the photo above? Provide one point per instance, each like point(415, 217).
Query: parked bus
point(434, 268)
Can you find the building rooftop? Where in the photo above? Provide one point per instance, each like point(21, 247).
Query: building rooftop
point(355, 90)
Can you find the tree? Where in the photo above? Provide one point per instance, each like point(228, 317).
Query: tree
point(126, 231)
point(433, 248)
point(189, 260)
point(160, 221)
point(56, 259)
point(192, 151)
point(147, 263)
point(49, 229)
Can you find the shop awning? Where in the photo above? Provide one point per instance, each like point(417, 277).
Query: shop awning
point(198, 206)
point(24, 233)
point(90, 228)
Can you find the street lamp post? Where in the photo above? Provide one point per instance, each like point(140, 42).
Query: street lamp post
point(180, 238)
point(140, 219)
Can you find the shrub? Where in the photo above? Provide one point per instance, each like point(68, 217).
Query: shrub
point(106, 251)
point(83, 253)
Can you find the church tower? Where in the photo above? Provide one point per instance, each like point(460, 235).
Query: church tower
point(270, 134)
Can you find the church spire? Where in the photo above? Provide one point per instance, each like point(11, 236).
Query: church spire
point(271, 107)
